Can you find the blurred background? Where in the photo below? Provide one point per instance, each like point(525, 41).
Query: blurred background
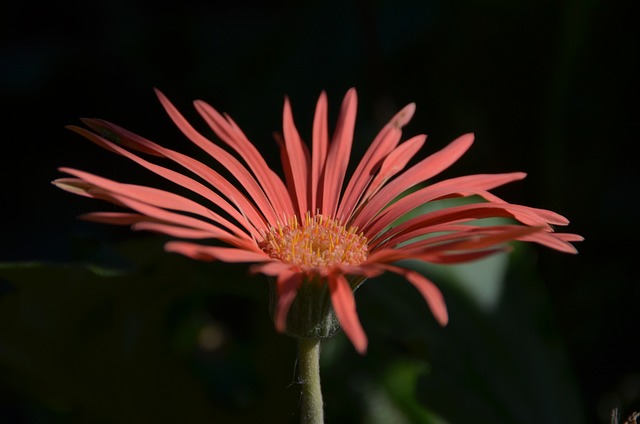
point(99, 325)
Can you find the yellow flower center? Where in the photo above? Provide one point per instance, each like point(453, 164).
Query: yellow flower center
point(319, 242)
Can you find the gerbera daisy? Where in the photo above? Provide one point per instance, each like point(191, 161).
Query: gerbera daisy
point(315, 232)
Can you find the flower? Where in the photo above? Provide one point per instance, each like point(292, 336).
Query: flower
point(310, 229)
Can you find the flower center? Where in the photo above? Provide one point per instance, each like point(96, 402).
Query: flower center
point(318, 242)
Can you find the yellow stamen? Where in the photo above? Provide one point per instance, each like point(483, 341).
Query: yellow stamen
point(318, 242)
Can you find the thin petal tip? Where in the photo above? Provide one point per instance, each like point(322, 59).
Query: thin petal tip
point(63, 183)
point(281, 325)
point(351, 97)
point(361, 345)
point(160, 94)
point(519, 175)
point(74, 128)
point(443, 319)
point(468, 137)
point(88, 121)
point(403, 117)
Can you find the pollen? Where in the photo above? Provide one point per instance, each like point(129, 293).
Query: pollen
point(317, 242)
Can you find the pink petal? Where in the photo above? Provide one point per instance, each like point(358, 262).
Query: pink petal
point(115, 218)
point(569, 237)
point(457, 258)
point(464, 186)
point(344, 306)
point(429, 291)
point(297, 159)
point(117, 135)
point(155, 197)
point(524, 213)
point(338, 156)
point(171, 217)
point(418, 232)
point(479, 181)
point(248, 210)
point(483, 237)
point(74, 185)
point(382, 145)
point(271, 269)
point(227, 160)
point(320, 149)
point(171, 230)
point(363, 270)
point(476, 238)
point(221, 184)
point(457, 214)
point(394, 163)
point(418, 173)
point(403, 206)
point(549, 217)
point(230, 133)
point(211, 253)
point(287, 286)
point(556, 241)
point(145, 223)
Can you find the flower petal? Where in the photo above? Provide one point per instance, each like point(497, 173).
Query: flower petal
point(344, 306)
point(431, 293)
point(338, 156)
point(230, 133)
point(320, 148)
point(136, 142)
point(479, 237)
point(569, 237)
point(248, 215)
point(115, 218)
point(162, 215)
point(479, 181)
point(155, 197)
point(384, 143)
point(211, 253)
point(271, 269)
point(244, 177)
point(74, 185)
point(394, 163)
point(287, 285)
point(476, 237)
point(455, 187)
point(557, 241)
point(144, 223)
point(296, 159)
point(464, 213)
point(423, 170)
point(171, 230)
point(447, 258)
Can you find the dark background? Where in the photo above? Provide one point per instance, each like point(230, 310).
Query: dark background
point(99, 325)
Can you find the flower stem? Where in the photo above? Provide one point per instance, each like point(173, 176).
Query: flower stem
point(309, 363)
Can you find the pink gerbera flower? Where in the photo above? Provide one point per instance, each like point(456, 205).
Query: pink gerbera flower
point(315, 231)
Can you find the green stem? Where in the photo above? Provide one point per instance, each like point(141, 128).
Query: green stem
point(309, 363)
